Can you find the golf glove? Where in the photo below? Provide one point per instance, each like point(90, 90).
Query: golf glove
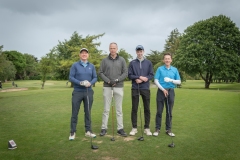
point(166, 79)
point(112, 82)
point(85, 83)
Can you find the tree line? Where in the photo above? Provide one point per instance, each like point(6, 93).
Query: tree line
point(209, 50)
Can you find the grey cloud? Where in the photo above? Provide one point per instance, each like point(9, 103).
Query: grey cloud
point(36, 26)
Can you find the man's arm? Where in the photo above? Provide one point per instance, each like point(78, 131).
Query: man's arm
point(131, 74)
point(72, 75)
point(94, 76)
point(151, 72)
point(101, 72)
point(124, 71)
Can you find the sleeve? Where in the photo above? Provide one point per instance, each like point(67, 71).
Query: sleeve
point(131, 72)
point(124, 70)
point(101, 73)
point(72, 75)
point(158, 84)
point(94, 76)
point(151, 72)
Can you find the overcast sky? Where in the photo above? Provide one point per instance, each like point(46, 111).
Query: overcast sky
point(36, 26)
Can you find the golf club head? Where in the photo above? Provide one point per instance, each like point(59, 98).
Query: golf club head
point(141, 139)
point(94, 147)
point(172, 145)
point(112, 139)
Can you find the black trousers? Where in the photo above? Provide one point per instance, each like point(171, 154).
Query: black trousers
point(161, 99)
point(145, 93)
point(77, 99)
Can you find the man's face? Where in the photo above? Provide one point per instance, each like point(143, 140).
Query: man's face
point(167, 60)
point(140, 54)
point(113, 49)
point(84, 55)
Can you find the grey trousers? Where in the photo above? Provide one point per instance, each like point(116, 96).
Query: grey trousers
point(77, 99)
point(161, 99)
point(118, 97)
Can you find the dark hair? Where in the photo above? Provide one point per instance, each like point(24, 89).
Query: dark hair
point(167, 53)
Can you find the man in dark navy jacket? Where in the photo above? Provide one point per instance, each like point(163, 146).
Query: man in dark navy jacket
point(140, 71)
point(83, 75)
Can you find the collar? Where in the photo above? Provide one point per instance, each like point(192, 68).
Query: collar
point(83, 62)
point(109, 56)
point(140, 60)
point(168, 68)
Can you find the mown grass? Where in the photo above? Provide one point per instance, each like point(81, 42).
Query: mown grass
point(205, 122)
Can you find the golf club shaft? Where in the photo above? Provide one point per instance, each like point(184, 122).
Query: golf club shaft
point(140, 109)
point(169, 118)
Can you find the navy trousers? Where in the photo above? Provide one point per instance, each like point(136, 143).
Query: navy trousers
point(77, 99)
point(161, 99)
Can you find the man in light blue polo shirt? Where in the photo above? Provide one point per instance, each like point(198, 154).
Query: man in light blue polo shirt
point(166, 78)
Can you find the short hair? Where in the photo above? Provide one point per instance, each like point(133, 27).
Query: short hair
point(113, 43)
point(167, 53)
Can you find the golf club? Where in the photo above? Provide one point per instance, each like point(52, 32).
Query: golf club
point(112, 139)
point(89, 111)
point(140, 138)
point(172, 145)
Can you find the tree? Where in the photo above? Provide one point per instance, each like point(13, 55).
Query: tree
point(7, 69)
point(155, 57)
point(172, 42)
point(125, 55)
point(18, 60)
point(67, 52)
point(31, 66)
point(45, 67)
point(211, 48)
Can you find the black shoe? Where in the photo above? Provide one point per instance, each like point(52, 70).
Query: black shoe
point(122, 133)
point(103, 132)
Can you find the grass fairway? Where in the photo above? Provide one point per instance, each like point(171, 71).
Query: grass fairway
point(205, 121)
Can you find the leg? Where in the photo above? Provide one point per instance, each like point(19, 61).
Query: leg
point(76, 102)
point(107, 95)
point(118, 97)
point(87, 109)
point(171, 95)
point(160, 104)
point(135, 100)
point(146, 103)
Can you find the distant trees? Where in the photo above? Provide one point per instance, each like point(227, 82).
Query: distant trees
point(18, 61)
point(67, 52)
point(125, 55)
point(210, 48)
point(7, 69)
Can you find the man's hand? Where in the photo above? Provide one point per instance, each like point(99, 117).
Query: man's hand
point(138, 81)
point(112, 82)
point(144, 79)
point(166, 79)
point(88, 84)
point(165, 92)
point(85, 83)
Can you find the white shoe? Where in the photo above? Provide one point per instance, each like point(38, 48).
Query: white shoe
point(148, 132)
point(89, 134)
point(170, 133)
point(156, 132)
point(133, 132)
point(72, 136)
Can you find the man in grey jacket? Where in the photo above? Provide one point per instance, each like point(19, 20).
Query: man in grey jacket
point(113, 71)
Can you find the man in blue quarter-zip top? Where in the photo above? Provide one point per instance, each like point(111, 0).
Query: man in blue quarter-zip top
point(140, 71)
point(166, 78)
point(83, 75)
